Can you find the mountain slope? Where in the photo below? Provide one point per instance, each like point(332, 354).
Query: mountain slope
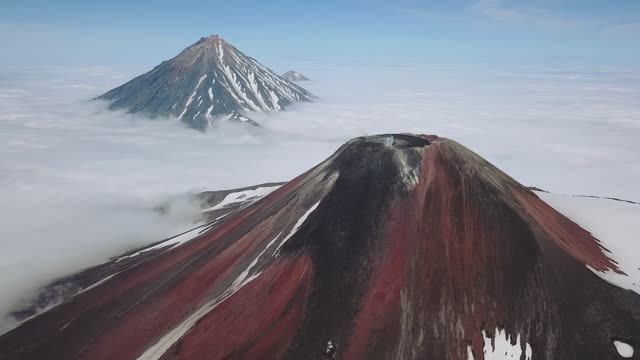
point(396, 247)
point(207, 80)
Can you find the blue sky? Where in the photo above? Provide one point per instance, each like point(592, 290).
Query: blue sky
point(494, 31)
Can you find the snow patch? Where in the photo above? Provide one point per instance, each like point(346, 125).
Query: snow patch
point(274, 100)
point(220, 52)
point(170, 242)
point(469, 353)
point(615, 224)
point(502, 348)
point(235, 97)
point(159, 348)
point(298, 224)
point(231, 77)
point(254, 87)
point(190, 99)
point(97, 283)
point(245, 274)
point(245, 195)
point(625, 350)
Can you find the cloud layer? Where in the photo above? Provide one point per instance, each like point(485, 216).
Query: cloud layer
point(78, 182)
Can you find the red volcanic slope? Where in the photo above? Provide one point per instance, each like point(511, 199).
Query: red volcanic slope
point(396, 247)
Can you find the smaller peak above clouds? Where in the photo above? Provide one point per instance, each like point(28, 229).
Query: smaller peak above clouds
point(294, 76)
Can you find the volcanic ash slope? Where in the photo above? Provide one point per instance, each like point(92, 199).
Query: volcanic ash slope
point(396, 247)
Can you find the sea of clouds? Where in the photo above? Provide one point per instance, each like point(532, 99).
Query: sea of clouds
point(78, 183)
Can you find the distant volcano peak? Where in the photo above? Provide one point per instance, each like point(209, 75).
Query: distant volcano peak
point(209, 80)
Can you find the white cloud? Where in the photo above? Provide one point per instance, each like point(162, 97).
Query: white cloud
point(77, 182)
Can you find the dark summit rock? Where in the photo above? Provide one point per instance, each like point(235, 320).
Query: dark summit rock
point(210, 79)
point(294, 76)
point(395, 247)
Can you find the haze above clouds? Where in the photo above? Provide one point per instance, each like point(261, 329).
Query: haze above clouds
point(78, 182)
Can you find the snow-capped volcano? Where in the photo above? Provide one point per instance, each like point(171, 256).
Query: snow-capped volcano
point(207, 80)
point(294, 76)
point(395, 247)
